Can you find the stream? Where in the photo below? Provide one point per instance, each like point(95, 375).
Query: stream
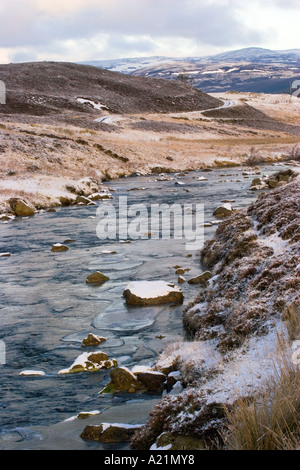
point(46, 307)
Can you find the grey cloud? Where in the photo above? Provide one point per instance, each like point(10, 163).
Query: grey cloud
point(123, 44)
point(211, 23)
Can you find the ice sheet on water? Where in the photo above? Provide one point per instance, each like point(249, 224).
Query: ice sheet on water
point(114, 323)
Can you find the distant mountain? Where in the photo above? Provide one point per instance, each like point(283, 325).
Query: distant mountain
point(252, 69)
point(256, 55)
point(127, 65)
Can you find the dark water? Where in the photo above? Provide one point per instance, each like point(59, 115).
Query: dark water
point(47, 308)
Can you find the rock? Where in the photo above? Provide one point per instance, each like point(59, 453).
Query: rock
point(180, 271)
point(124, 380)
point(90, 362)
point(92, 340)
point(109, 433)
point(100, 196)
point(203, 278)
point(96, 278)
point(202, 178)
point(83, 200)
point(172, 379)
point(57, 247)
point(5, 217)
point(273, 183)
point(152, 380)
point(5, 255)
point(151, 293)
point(296, 152)
point(223, 211)
point(87, 414)
point(176, 389)
point(280, 178)
point(139, 379)
point(51, 209)
point(21, 208)
point(32, 373)
point(256, 182)
point(66, 200)
point(181, 279)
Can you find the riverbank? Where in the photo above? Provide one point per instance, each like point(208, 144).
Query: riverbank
point(61, 299)
point(244, 323)
point(39, 160)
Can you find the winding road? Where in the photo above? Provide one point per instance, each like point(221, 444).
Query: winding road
point(109, 119)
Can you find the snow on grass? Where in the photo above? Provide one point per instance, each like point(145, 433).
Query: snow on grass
point(240, 373)
point(93, 103)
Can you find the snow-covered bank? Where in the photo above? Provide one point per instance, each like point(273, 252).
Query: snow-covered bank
point(238, 321)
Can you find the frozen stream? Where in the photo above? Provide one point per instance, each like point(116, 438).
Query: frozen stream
point(46, 307)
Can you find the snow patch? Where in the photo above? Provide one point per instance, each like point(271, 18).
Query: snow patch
point(93, 103)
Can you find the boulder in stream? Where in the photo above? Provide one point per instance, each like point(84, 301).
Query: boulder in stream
point(84, 200)
point(109, 432)
point(21, 208)
point(92, 340)
point(223, 211)
point(140, 378)
point(90, 362)
point(151, 293)
point(57, 247)
point(203, 278)
point(96, 278)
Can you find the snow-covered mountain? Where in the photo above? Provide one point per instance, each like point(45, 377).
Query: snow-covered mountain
point(251, 69)
point(129, 65)
point(257, 55)
point(247, 55)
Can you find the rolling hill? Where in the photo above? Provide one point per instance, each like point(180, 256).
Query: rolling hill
point(53, 91)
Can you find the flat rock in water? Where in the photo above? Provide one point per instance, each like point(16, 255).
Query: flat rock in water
point(90, 362)
point(123, 379)
point(203, 278)
point(59, 247)
point(223, 211)
point(97, 278)
point(152, 380)
point(32, 373)
point(151, 293)
point(66, 200)
point(100, 196)
point(21, 208)
point(92, 340)
point(109, 433)
point(83, 200)
point(87, 414)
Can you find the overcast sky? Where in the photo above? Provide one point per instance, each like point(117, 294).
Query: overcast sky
point(80, 30)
